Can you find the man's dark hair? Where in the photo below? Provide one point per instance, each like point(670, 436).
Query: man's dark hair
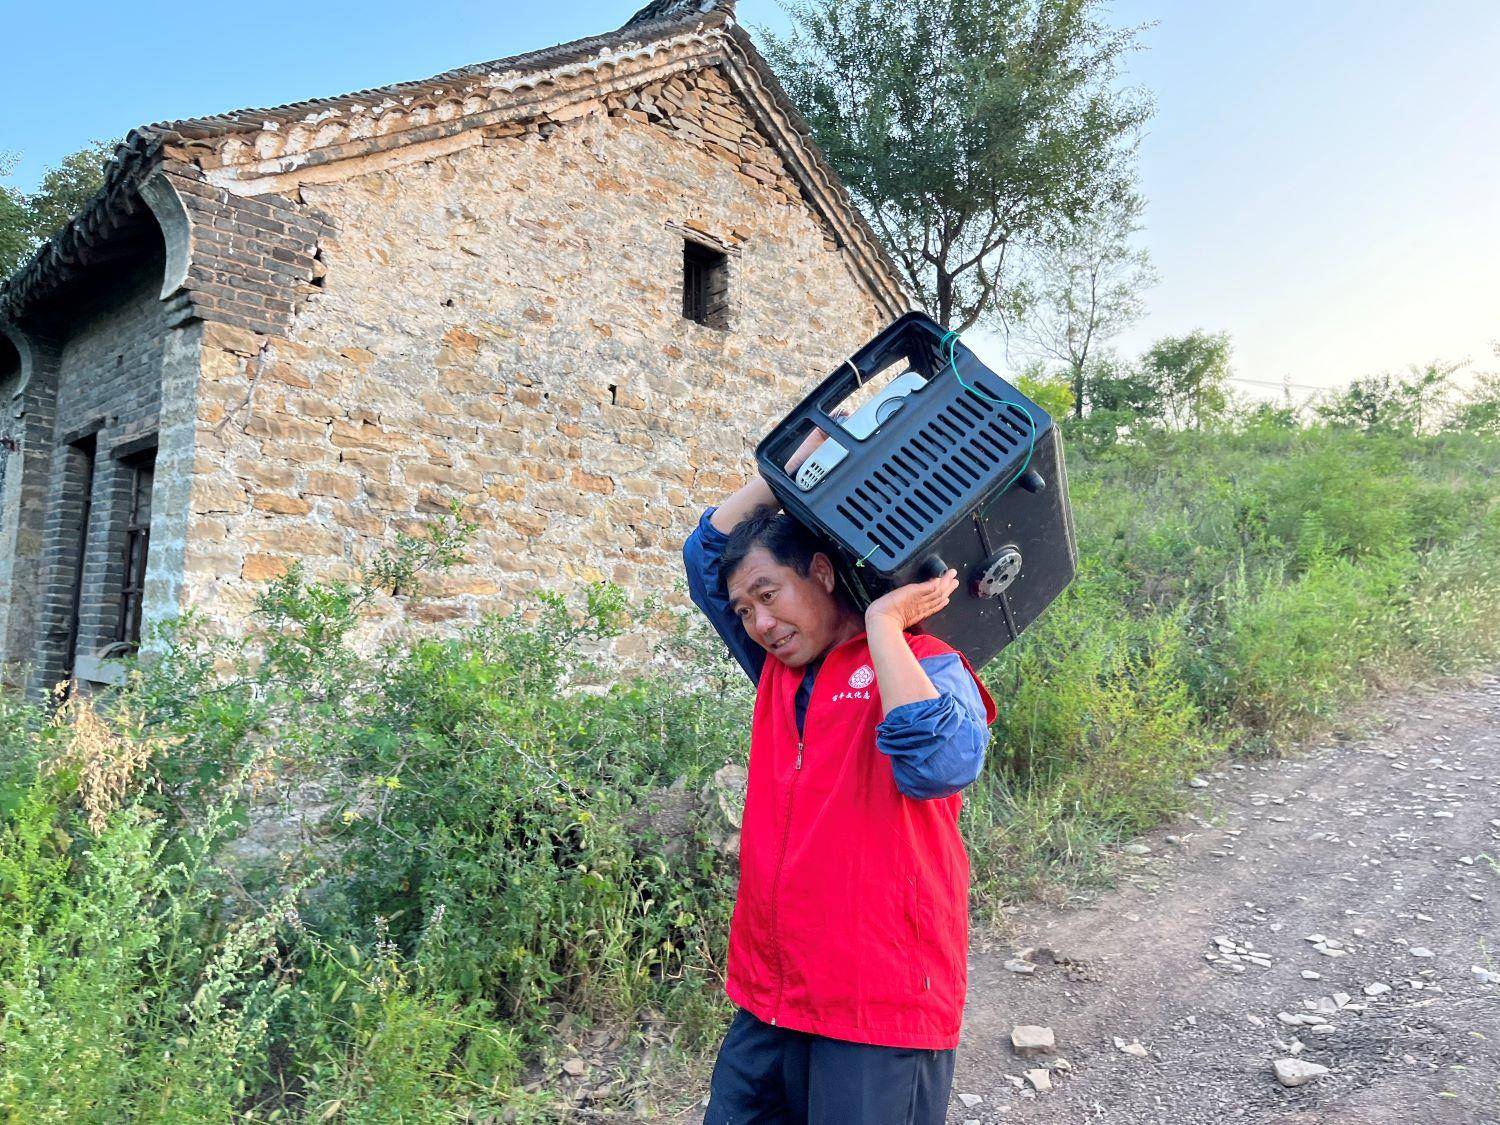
point(788, 541)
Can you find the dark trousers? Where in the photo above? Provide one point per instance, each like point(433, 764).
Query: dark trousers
point(768, 1074)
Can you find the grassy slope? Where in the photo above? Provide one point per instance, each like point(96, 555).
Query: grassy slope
point(484, 871)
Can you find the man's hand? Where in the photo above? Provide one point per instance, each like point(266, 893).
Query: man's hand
point(810, 444)
point(756, 493)
point(897, 671)
point(907, 605)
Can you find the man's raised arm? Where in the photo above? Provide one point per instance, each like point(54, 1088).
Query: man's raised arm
point(705, 546)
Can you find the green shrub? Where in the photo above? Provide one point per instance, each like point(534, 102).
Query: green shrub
point(125, 994)
point(489, 859)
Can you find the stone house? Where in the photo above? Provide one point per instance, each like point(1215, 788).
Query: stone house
point(572, 287)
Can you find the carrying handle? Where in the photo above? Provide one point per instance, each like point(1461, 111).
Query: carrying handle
point(921, 352)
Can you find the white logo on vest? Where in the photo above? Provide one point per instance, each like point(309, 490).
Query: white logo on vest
point(863, 677)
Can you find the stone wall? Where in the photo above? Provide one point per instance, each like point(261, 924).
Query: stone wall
point(504, 324)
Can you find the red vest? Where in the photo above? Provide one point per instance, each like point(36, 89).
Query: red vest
point(852, 918)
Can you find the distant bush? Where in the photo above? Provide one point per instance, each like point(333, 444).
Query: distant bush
point(1268, 576)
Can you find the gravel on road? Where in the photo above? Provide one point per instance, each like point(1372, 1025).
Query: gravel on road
point(1320, 943)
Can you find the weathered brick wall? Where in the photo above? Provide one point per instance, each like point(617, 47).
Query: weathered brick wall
point(29, 407)
point(10, 381)
point(238, 261)
point(108, 385)
point(10, 428)
point(503, 324)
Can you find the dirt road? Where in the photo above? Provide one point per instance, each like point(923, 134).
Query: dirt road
point(1373, 861)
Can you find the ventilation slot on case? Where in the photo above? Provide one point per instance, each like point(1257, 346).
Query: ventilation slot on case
point(936, 470)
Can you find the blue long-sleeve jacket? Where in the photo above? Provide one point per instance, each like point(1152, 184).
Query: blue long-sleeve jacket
point(936, 746)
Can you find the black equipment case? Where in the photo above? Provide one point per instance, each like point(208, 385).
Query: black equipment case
point(965, 472)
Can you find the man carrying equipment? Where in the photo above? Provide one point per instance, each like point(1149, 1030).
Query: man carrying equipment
point(848, 947)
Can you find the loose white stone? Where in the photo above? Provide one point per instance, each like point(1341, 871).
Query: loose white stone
point(1297, 1072)
point(970, 1100)
point(1016, 965)
point(1040, 1080)
point(1420, 951)
point(1308, 974)
point(1313, 1020)
point(1030, 1039)
point(1376, 989)
point(1197, 783)
point(1133, 1048)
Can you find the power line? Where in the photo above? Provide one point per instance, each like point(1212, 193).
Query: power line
point(1279, 384)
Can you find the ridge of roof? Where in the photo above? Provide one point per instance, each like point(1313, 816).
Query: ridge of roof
point(656, 20)
point(135, 156)
point(144, 148)
point(660, 9)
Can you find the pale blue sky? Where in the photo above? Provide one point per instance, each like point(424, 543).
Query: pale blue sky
point(1322, 175)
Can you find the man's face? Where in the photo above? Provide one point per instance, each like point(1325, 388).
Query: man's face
point(794, 618)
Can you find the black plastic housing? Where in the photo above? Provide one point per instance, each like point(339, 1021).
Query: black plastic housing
point(956, 479)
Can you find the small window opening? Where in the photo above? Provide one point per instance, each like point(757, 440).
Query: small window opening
point(705, 285)
point(614, 394)
point(142, 471)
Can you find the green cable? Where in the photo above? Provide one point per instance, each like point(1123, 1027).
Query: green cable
point(951, 339)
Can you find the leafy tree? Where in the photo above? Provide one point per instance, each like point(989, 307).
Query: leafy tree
point(1120, 400)
point(1479, 409)
point(14, 220)
point(1189, 377)
point(1087, 287)
point(26, 221)
point(1051, 393)
point(965, 129)
point(1392, 404)
point(1278, 415)
point(1115, 385)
